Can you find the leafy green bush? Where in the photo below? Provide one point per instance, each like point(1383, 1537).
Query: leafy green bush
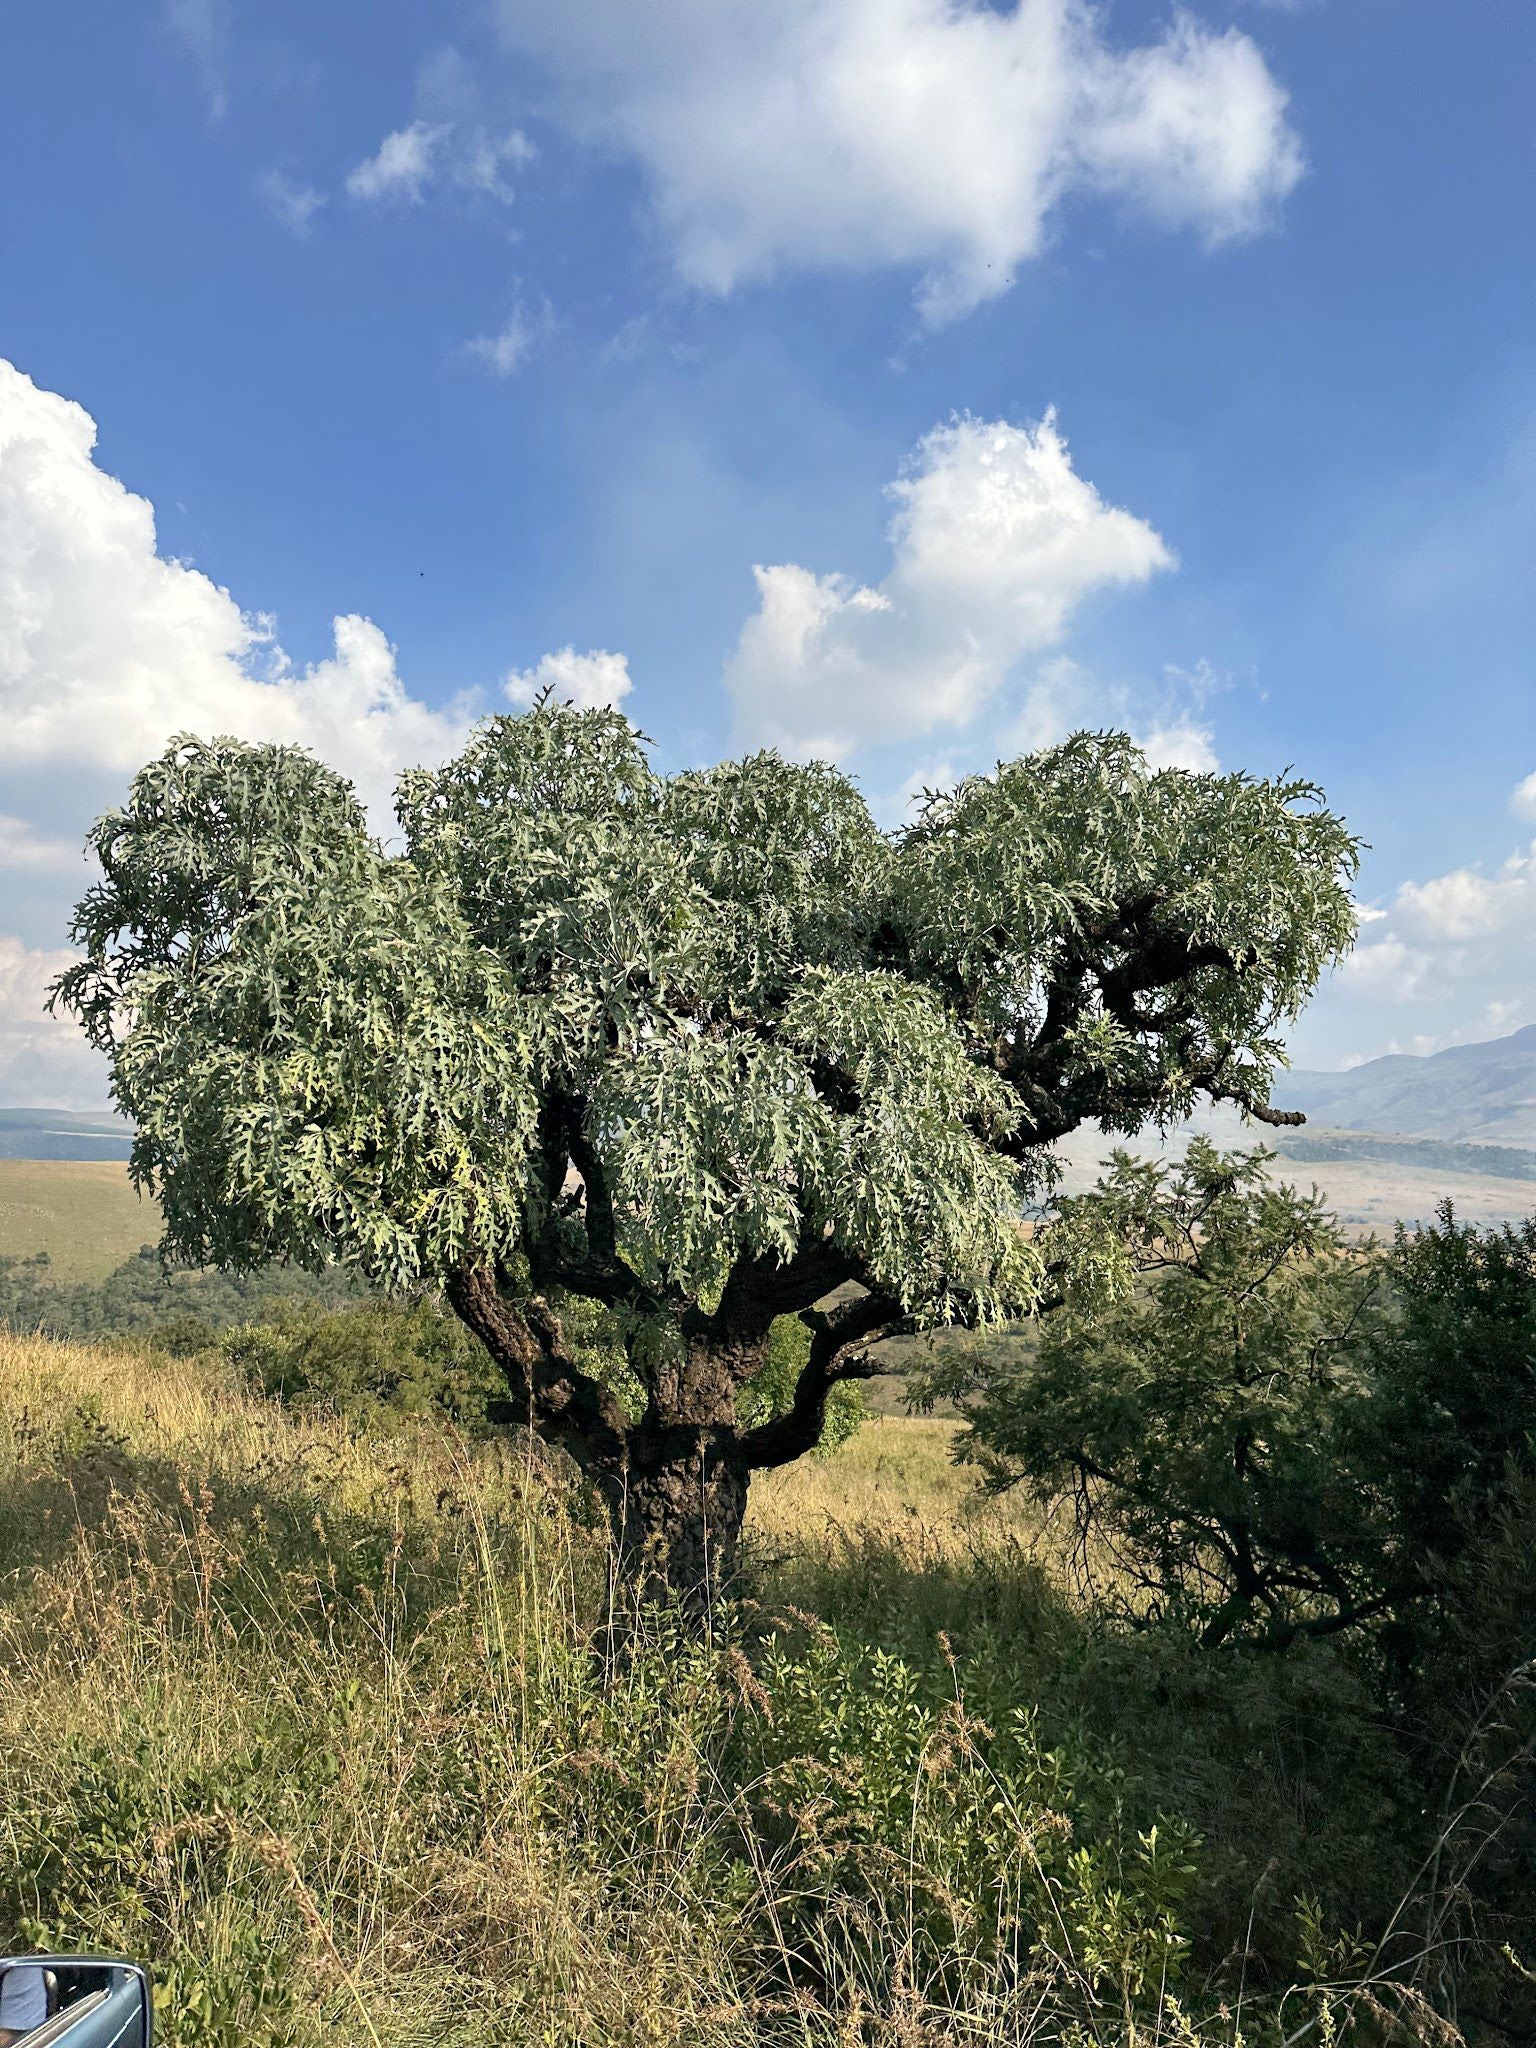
point(374, 1359)
point(179, 1308)
point(1196, 1421)
point(1452, 1427)
point(1273, 1431)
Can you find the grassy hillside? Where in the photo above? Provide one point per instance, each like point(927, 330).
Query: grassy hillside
point(319, 1721)
point(83, 1213)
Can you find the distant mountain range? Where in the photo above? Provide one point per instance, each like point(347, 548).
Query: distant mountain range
point(63, 1134)
point(1478, 1094)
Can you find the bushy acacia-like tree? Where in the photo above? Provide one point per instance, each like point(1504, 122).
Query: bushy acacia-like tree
point(1216, 1426)
point(705, 1050)
point(1265, 1427)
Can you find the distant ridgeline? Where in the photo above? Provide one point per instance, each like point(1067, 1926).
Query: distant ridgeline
point(182, 1308)
point(64, 1134)
point(1442, 1155)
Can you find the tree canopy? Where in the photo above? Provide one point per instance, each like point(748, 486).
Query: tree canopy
point(702, 1049)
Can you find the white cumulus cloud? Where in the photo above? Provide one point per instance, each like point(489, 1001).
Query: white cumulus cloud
point(43, 1060)
point(107, 647)
point(402, 165)
point(995, 540)
point(585, 680)
point(940, 135)
point(1438, 963)
point(1184, 745)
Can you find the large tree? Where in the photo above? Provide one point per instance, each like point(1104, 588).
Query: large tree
point(703, 1051)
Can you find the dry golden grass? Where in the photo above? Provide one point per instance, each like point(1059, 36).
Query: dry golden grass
point(312, 1720)
point(896, 1479)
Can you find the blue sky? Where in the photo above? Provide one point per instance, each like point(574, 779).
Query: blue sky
point(526, 326)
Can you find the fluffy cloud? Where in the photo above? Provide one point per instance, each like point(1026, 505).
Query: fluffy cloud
point(22, 847)
point(1451, 929)
point(107, 647)
point(1441, 962)
point(1183, 745)
point(401, 166)
point(585, 680)
point(1524, 798)
point(410, 159)
point(942, 135)
point(995, 539)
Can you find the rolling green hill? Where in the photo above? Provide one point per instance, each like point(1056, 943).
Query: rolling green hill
point(83, 1213)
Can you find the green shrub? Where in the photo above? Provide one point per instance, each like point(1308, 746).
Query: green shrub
point(1274, 1431)
point(1197, 1422)
point(374, 1360)
point(178, 1308)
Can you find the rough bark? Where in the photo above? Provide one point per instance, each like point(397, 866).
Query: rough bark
point(676, 1512)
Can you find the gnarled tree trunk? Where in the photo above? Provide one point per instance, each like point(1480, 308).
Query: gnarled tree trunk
point(675, 1482)
point(676, 1510)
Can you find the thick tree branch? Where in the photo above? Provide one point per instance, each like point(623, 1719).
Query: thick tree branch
point(839, 1337)
point(602, 1232)
point(599, 1270)
point(760, 1289)
point(548, 1388)
point(611, 1281)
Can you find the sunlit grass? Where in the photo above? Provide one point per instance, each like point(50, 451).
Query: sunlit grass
point(318, 1722)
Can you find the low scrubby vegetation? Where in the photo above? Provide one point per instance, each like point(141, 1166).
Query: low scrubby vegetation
point(175, 1307)
point(326, 1340)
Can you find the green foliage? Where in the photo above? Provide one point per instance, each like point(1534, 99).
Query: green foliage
point(176, 1309)
point(368, 1362)
point(771, 1010)
point(1009, 879)
point(1199, 1419)
point(699, 1051)
point(321, 1064)
point(1271, 1430)
point(771, 1388)
point(120, 1859)
point(1459, 1369)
